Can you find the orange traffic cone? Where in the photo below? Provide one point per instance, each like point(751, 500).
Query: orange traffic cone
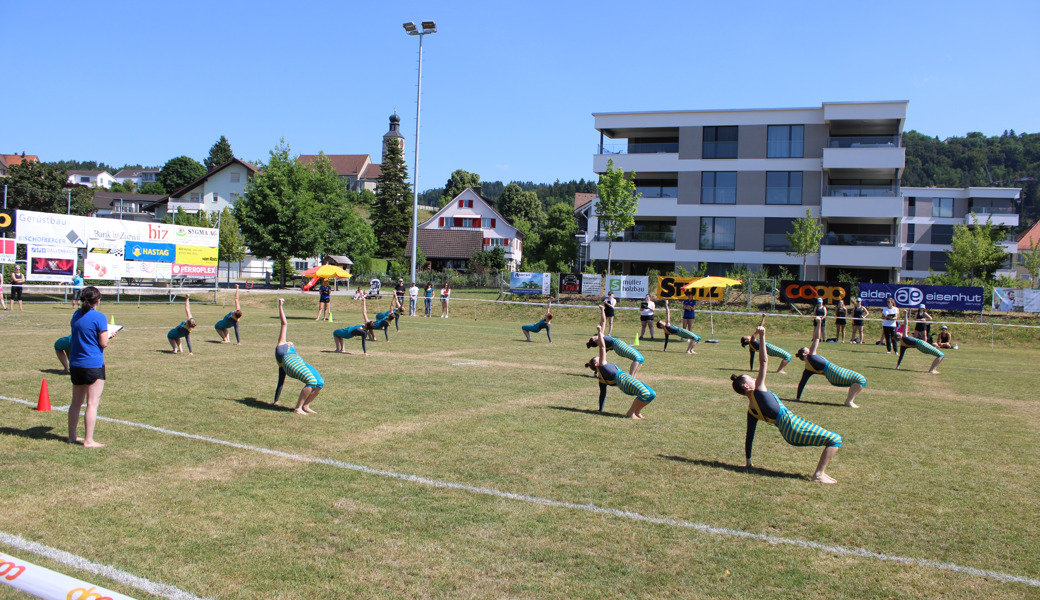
point(44, 404)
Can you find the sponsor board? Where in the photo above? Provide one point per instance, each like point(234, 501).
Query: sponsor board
point(104, 262)
point(7, 251)
point(149, 251)
point(939, 297)
point(51, 585)
point(48, 229)
point(806, 292)
point(529, 283)
point(196, 255)
point(672, 287)
point(570, 283)
point(51, 263)
point(194, 270)
point(70, 230)
point(7, 221)
point(591, 285)
point(1016, 299)
point(628, 286)
point(139, 269)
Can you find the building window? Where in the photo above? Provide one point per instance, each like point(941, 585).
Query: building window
point(84, 179)
point(718, 187)
point(496, 242)
point(215, 197)
point(911, 233)
point(911, 207)
point(785, 141)
point(717, 233)
point(942, 234)
point(908, 261)
point(775, 239)
point(195, 197)
point(236, 177)
point(487, 223)
point(938, 261)
point(784, 187)
point(942, 207)
point(719, 142)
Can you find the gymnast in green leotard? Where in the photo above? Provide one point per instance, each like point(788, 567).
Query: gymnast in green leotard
point(540, 325)
point(837, 376)
point(230, 321)
point(620, 348)
point(289, 362)
point(749, 341)
point(357, 331)
point(764, 405)
point(670, 329)
point(610, 374)
point(908, 341)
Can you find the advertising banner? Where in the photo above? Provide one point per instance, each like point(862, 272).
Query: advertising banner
point(940, 297)
point(570, 283)
point(50, 229)
point(1016, 299)
point(529, 283)
point(7, 221)
point(51, 263)
point(39, 582)
point(102, 232)
point(7, 251)
point(591, 285)
point(671, 288)
point(628, 286)
point(104, 262)
point(139, 269)
point(179, 234)
point(149, 251)
point(196, 255)
point(806, 292)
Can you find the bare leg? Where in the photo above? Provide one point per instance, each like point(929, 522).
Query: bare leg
point(689, 349)
point(175, 345)
point(93, 400)
point(634, 368)
point(304, 394)
point(63, 358)
point(310, 398)
point(820, 476)
point(527, 335)
point(783, 364)
point(854, 391)
point(935, 365)
point(634, 410)
point(611, 329)
point(224, 339)
point(79, 394)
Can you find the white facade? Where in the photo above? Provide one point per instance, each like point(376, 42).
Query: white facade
point(468, 212)
point(213, 192)
point(96, 179)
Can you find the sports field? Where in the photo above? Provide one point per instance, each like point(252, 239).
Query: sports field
point(458, 461)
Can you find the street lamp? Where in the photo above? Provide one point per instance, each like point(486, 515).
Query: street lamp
point(411, 29)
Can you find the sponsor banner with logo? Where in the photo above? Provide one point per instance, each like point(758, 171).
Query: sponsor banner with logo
point(51, 263)
point(48, 229)
point(806, 292)
point(139, 269)
point(102, 232)
point(150, 252)
point(529, 283)
point(570, 283)
point(104, 261)
point(50, 585)
point(181, 235)
point(194, 270)
point(671, 287)
point(939, 297)
point(628, 286)
point(7, 251)
point(196, 255)
point(1016, 299)
point(8, 224)
point(591, 285)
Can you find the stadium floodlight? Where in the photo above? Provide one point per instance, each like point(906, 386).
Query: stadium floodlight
point(429, 27)
point(410, 28)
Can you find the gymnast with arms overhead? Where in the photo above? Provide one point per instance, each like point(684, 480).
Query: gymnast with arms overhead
point(905, 340)
point(182, 331)
point(540, 325)
point(230, 321)
point(818, 365)
point(289, 362)
point(610, 374)
point(620, 348)
point(356, 331)
point(670, 329)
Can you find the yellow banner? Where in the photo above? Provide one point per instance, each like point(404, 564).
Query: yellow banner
point(671, 287)
point(196, 255)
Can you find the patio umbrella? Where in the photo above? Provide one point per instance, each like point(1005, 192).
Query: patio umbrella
point(326, 272)
point(710, 282)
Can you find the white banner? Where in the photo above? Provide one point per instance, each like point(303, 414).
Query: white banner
point(591, 285)
point(147, 270)
point(51, 263)
point(628, 286)
point(51, 230)
point(50, 585)
point(1016, 299)
point(104, 261)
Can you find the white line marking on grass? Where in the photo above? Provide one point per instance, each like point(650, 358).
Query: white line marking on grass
point(589, 508)
point(78, 562)
point(475, 364)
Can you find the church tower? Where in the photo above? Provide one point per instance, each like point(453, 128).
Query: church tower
point(394, 135)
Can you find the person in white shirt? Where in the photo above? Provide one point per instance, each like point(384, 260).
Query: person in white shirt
point(646, 316)
point(890, 316)
point(413, 297)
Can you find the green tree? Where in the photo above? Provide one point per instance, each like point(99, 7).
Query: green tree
point(278, 215)
point(232, 246)
point(974, 252)
point(558, 246)
point(804, 237)
point(515, 204)
point(494, 259)
point(219, 154)
point(459, 181)
point(152, 187)
point(617, 205)
point(1030, 260)
point(179, 172)
point(127, 187)
point(343, 230)
point(43, 188)
point(392, 208)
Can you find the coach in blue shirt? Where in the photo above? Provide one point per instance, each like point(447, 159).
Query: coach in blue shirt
point(87, 363)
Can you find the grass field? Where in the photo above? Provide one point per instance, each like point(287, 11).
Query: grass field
point(458, 461)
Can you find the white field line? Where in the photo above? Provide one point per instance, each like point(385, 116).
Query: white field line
point(589, 508)
point(78, 562)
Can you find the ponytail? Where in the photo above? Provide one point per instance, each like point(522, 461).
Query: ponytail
point(89, 298)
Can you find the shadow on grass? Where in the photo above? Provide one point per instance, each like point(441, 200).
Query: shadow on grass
point(582, 375)
point(54, 371)
point(40, 432)
point(214, 342)
point(589, 411)
point(796, 401)
point(734, 468)
point(254, 403)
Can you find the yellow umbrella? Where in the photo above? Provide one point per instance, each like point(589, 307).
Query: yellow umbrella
point(712, 282)
point(326, 271)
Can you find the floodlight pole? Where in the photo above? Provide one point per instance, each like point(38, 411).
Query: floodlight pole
point(410, 28)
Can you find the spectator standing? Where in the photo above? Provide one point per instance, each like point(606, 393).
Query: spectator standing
point(646, 316)
point(17, 280)
point(890, 318)
point(77, 285)
point(413, 297)
point(399, 290)
point(445, 297)
point(689, 312)
point(608, 309)
point(428, 299)
point(87, 364)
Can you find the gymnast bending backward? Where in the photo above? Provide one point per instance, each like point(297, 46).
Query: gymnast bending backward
point(610, 374)
point(620, 348)
point(290, 362)
point(229, 321)
point(837, 376)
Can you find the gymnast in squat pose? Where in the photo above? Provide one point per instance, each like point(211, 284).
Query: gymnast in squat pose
point(229, 321)
point(620, 348)
point(764, 405)
point(908, 341)
point(670, 329)
point(837, 376)
point(357, 331)
point(183, 330)
point(290, 362)
point(540, 325)
point(611, 374)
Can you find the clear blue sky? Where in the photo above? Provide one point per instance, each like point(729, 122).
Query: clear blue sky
point(508, 88)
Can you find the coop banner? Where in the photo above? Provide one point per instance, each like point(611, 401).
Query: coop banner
point(149, 251)
point(806, 292)
point(529, 283)
point(672, 287)
point(628, 286)
point(195, 261)
point(570, 283)
point(7, 251)
point(940, 297)
point(591, 285)
point(138, 269)
point(51, 263)
point(1016, 299)
point(104, 261)
point(48, 229)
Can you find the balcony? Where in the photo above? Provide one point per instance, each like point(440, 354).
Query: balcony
point(1002, 216)
point(188, 207)
point(661, 237)
point(863, 141)
point(640, 148)
point(855, 203)
point(658, 191)
point(859, 155)
point(866, 251)
point(861, 191)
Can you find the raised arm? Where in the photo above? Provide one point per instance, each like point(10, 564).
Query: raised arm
point(364, 309)
point(602, 345)
point(237, 305)
point(815, 336)
point(763, 357)
point(284, 324)
point(602, 316)
point(187, 306)
point(548, 308)
point(667, 314)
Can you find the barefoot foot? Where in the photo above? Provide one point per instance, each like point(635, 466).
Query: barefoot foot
point(824, 478)
point(93, 444)
point(299, 411)
point(851, 404)
point(309, 411)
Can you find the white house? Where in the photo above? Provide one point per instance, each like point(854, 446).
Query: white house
point(213, 192)
point(471, 212)
point(97, 179)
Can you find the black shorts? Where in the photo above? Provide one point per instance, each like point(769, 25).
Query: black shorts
point(646, 317)
point(857, 322)
point(608, 311)
point(84, 376)
point(16, 292)
point(839, 321)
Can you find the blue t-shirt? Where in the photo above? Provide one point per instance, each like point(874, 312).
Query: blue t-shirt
point(85, 352)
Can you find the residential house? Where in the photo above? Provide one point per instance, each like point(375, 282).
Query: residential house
point(120, 205)
point(16, 159)
point(138, 176)
point(467, 213)
point(3, 166)
point(94, 179)
point(356, 170)
point(213, 192)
